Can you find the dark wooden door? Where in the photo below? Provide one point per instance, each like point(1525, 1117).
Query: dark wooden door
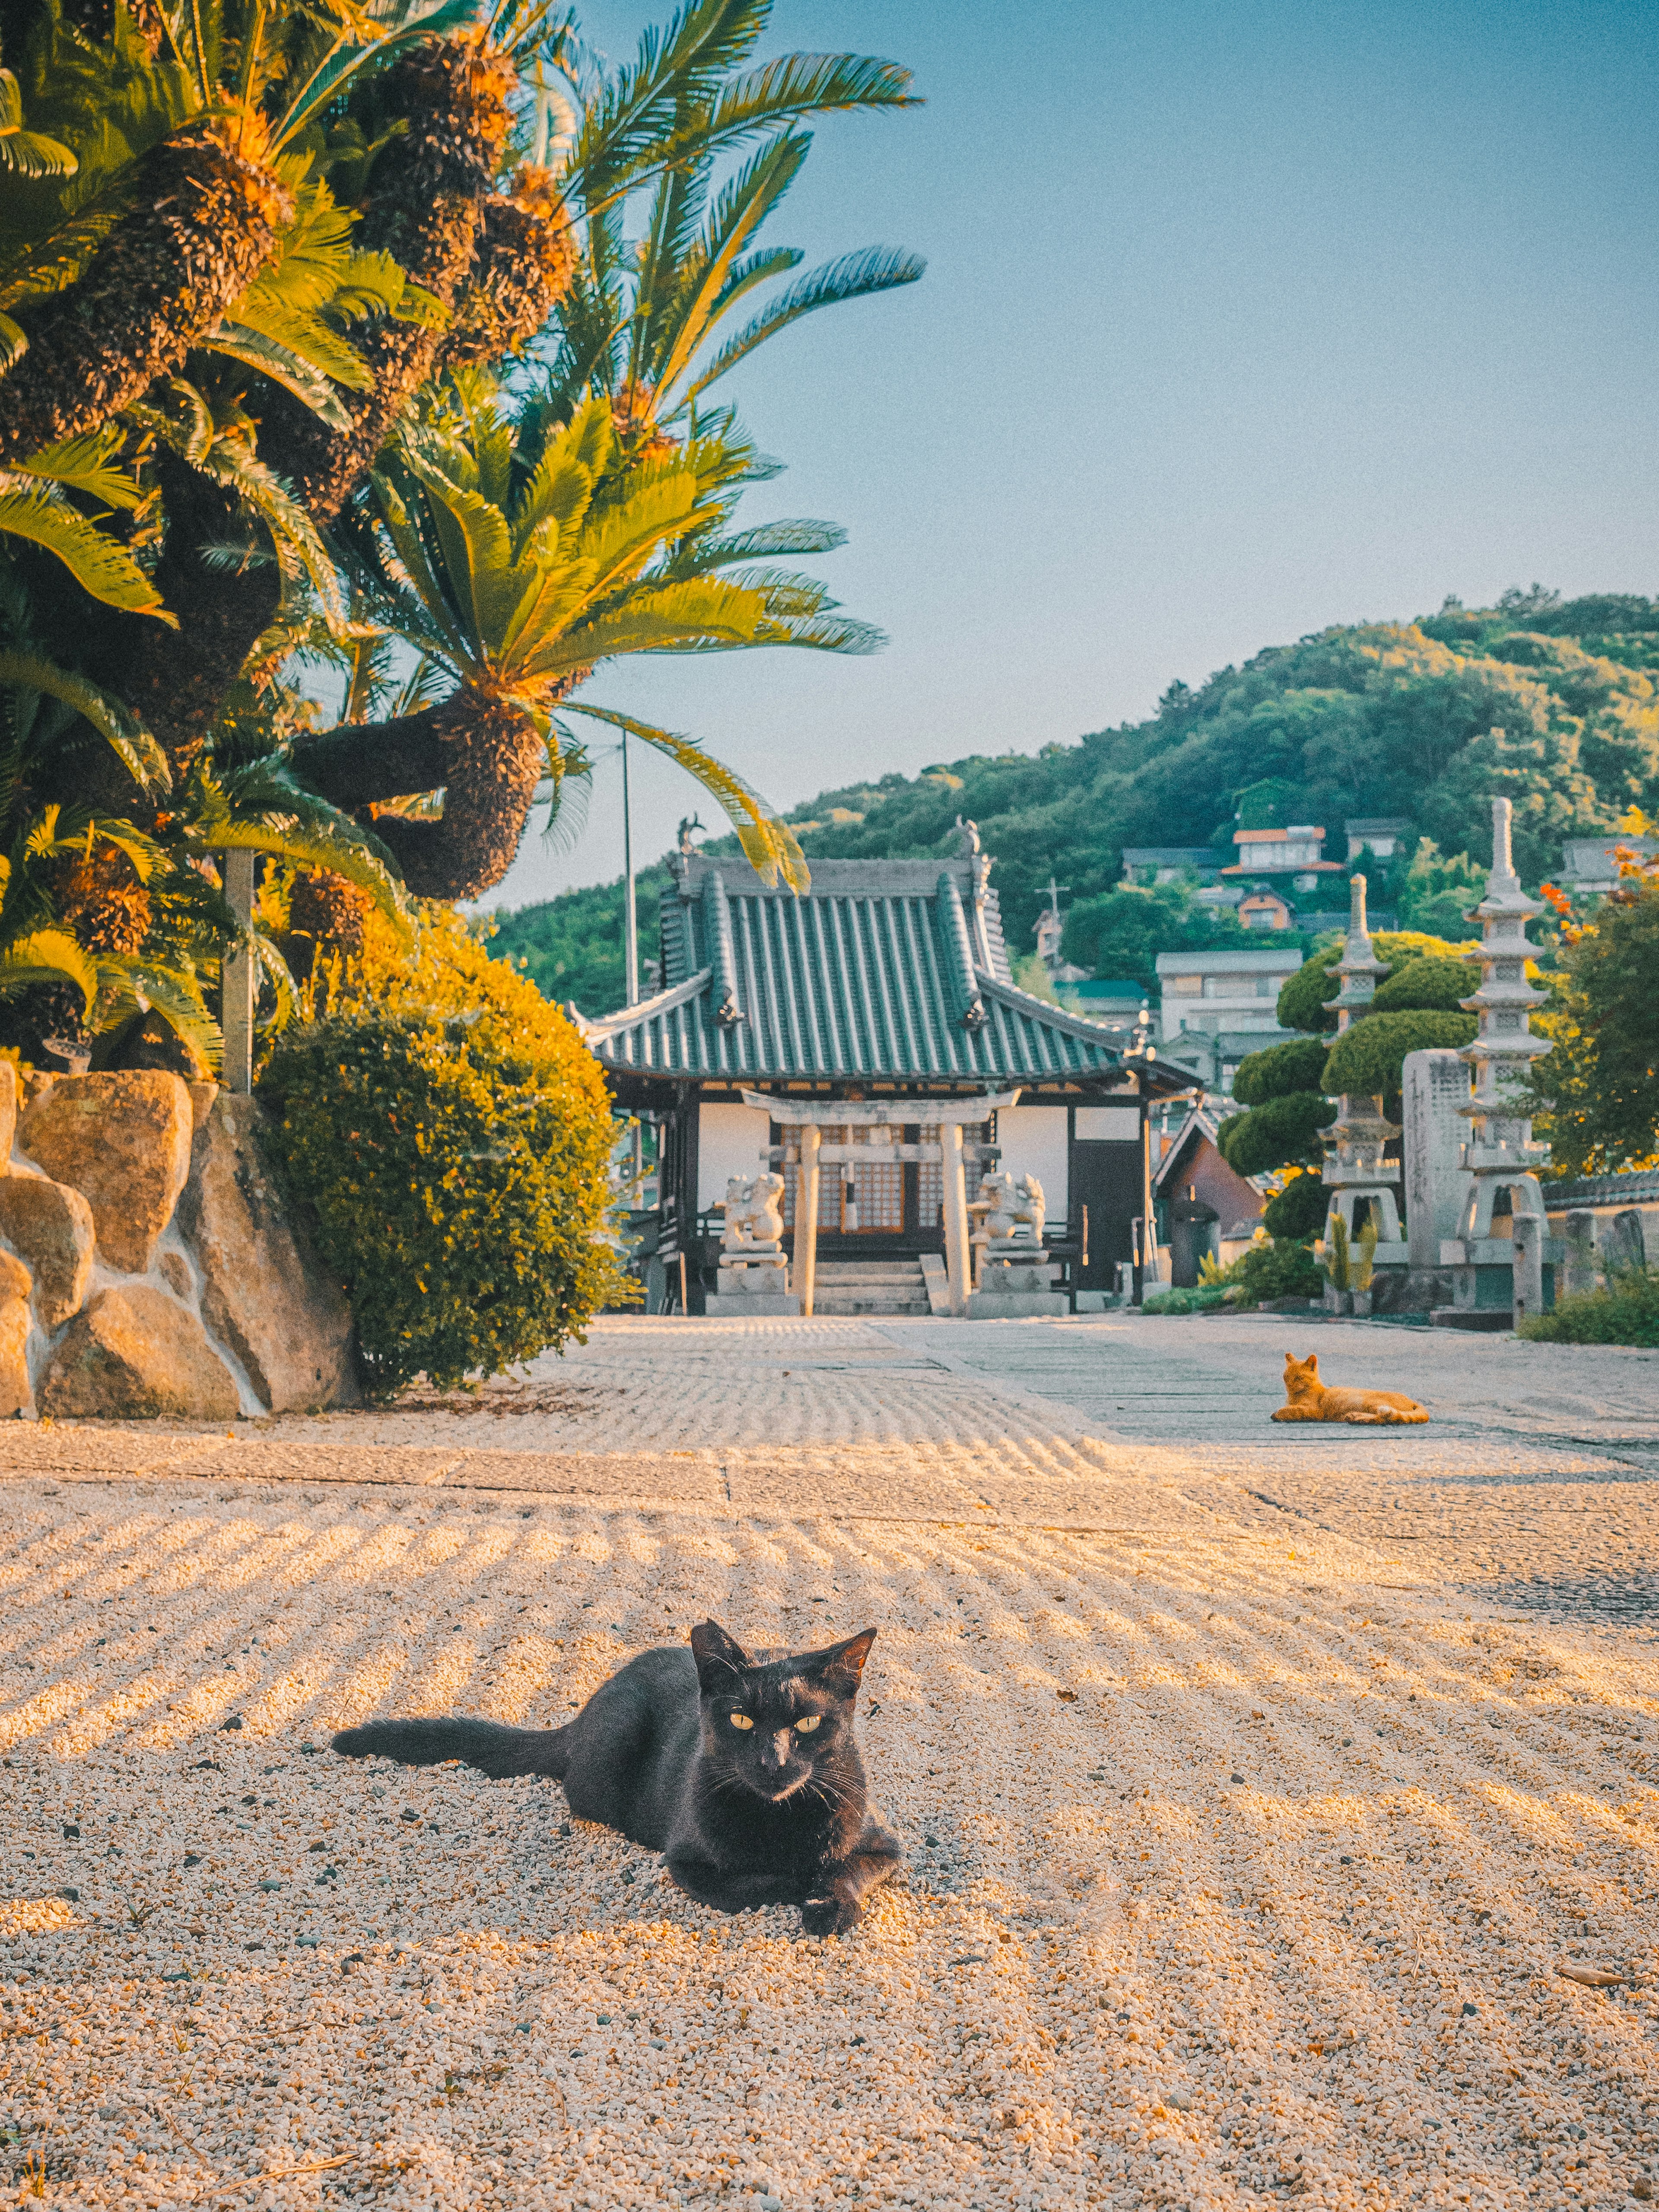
point(1107, 1178)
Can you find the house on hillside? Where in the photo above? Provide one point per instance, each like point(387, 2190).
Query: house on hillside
point(847, 1036)
point(1170, 864)
point(1588, 864)
point(1382, 832)
point(1293, 854)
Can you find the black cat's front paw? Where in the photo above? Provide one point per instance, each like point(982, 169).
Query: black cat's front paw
point(829, 1916)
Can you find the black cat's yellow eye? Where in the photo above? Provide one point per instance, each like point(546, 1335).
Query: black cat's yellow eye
point(741, 1720)
point(806, 1727)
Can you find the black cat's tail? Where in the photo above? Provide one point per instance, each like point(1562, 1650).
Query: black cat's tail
point(493, 1749)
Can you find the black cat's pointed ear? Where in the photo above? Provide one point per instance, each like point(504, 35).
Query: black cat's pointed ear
point(718, 1657)
point(840, 1667)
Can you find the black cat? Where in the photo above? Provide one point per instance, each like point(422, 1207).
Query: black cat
point(742, 1770)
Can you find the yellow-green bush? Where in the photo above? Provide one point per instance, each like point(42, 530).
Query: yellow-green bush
point(448, 1133)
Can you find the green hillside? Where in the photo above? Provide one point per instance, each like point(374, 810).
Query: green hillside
point(1373, 719)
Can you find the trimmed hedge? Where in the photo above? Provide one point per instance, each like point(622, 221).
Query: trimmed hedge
point(449, 1135)
point(1368, 1061)
point(1298, 1210)
point(1426, 984)
point(1283, 1130)
point(1278, 1071)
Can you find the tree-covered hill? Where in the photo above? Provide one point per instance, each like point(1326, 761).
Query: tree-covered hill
point(1553, 705)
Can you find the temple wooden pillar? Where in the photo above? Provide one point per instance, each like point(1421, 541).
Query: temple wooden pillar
point(806, 1216)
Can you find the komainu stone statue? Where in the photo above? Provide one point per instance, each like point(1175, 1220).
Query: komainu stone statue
point(754, 1213)
point(1010, 1212)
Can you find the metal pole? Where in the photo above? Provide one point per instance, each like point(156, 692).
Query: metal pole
point(236, 979)
point(631, 946)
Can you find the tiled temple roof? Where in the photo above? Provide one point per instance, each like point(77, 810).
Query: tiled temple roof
point(891, 970)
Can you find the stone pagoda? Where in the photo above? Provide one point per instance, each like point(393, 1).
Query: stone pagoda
point(1503, 1259)
point(1355, 1172)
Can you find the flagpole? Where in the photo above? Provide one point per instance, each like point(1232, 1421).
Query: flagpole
point(631, 939)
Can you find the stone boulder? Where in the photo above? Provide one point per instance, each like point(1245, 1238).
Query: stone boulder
point(15, 1395)
point(264, 1295)
point(51, 1226)
point(124, 1141)
point(135, 1354)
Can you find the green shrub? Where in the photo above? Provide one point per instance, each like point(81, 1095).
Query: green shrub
point(1184, 1302)
point(449, 1135)
point(1298, 1210)
point(1368, 1061)
point(1428, 983)
point(1626, 1312)
point(1279, 1270)
point(1303, 1001)
point(1278, 1071)
point(1283, 1130)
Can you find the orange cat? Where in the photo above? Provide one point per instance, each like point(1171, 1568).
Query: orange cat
point(1309, 1400)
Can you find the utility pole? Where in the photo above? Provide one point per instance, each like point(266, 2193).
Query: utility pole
point(631, 921)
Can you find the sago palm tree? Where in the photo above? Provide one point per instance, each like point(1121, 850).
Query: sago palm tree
point(519, 582)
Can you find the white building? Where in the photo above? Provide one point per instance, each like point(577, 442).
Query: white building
point(1232, 991)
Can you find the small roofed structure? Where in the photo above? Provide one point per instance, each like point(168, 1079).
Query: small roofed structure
point(1194, 1191)
point(867, 1042)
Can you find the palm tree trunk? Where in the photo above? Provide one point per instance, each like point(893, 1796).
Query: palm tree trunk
point(487, 756)
point(204, 218)
point(425, 208)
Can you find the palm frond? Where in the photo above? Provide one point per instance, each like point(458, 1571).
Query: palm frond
point(47, 955)
point(100, 565)
point(769, 845)
point(854, 277)
point(121, 729)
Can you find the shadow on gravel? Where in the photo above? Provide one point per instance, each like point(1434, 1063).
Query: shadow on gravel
point(1627, 1598)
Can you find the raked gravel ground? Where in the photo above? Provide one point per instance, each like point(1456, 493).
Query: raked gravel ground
point(1258, 1784)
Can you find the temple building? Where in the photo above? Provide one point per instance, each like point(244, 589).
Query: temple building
point(867, 1038)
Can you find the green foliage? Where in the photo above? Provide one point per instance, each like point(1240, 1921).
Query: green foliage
point(1299, 1210)
point(1120, 932)
point(1281, 1069)
point(1281, 1269)
point(1283, 1130)
point(1627, 1311)
point(1597, 1093)
point(449, 1135)
point(1305, 1000)
point(1302, 997)
point(1205, 1299)
point(1367, 1062)
point(571, 947)
point(1382, 719)
point(1432, 892)
point(1431, 983)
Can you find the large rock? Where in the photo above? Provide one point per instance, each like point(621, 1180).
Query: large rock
point(123, 1140)
point(264, 1295)
point(16, 1396)
point(51, 1226)
point(135, 1353)
point(8, 1094)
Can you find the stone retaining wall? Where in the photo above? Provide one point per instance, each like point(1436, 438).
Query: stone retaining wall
point(149, 1267)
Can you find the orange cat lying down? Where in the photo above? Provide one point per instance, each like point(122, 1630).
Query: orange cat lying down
point(1309, 1400)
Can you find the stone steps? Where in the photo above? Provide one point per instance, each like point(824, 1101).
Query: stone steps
point(892, 1288)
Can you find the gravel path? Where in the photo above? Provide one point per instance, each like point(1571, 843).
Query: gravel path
point(1251, 1821)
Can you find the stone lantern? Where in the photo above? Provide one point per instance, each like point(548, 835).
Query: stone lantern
point(1355, 1172)
point(1502, 1266)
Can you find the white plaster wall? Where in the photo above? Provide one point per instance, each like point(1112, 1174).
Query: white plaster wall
point(1033, 1142)
point(730, 1142)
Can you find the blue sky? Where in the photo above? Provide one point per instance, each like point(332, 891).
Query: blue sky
point(1239, 320)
